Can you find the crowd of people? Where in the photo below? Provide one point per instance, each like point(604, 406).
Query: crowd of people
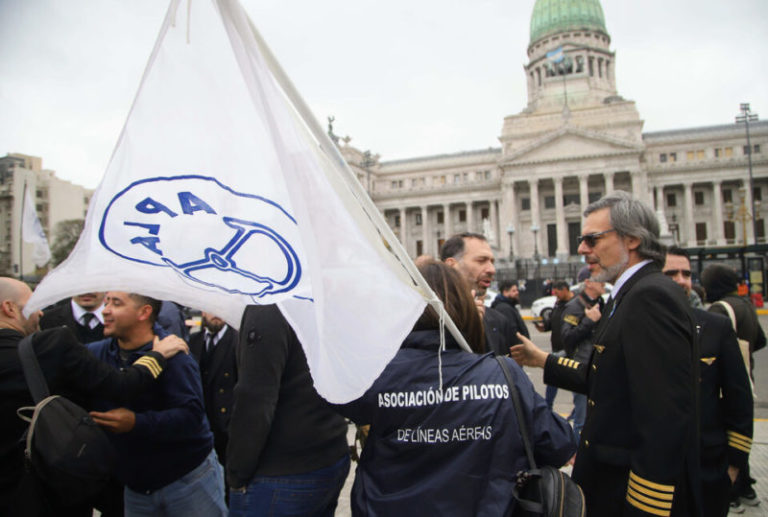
point(227, 422)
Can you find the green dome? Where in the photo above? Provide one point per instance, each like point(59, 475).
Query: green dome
point(553, 16)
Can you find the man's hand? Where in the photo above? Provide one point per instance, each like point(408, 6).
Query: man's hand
point(479, 303)
point(169, 346)
point(119, 420)
point(593, 313)
point(733, 473)
point(528, 354)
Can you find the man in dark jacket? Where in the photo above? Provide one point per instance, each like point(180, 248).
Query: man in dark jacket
point(580, 317)
point(164, 443)
point(507, 303)
point(69, 370)
point(471, 255)
point(81, 314)
point(721, 283)
point(638, 453)
point(552, 324)
point(287, 452)
point(725, 401)
point(214, 350)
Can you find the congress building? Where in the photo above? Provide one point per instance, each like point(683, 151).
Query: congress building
point(576, 140)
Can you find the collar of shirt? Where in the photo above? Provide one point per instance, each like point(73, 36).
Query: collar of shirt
point(217, 337)
point(78, 313)
point(626, 275)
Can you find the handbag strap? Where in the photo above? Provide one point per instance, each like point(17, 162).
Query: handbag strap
point(729, 310)
point(521, 423)
point(32, 372)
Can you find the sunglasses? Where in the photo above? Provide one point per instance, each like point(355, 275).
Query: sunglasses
point(591, 239)
point(674, 272)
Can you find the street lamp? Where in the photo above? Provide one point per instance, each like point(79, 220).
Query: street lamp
point(511, 233)
point(745, 118)
point(535, 230)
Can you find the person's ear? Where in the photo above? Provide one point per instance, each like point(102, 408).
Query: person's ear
point(8, 308)
point(145, 311)
point(632, 243)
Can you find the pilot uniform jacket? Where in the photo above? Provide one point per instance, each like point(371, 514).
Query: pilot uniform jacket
point(576, 330)
point(455, 457)
point(61, 316)
point(218, 371)
point(726, 409)
point(638, 453)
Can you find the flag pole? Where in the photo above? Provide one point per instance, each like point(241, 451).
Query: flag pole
point(21, 233)
point(354, 185)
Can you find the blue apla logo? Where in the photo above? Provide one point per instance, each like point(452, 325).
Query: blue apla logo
point(206, 232)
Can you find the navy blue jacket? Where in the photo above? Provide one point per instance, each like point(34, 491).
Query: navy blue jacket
point(458, 457)
point(171, 436)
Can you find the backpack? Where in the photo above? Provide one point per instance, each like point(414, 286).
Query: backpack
point(544, 491)
point(65, 449)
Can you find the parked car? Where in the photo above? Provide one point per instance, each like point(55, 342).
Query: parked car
point(542, 307)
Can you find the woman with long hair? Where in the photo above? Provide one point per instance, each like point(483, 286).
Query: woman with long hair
point(444, 437)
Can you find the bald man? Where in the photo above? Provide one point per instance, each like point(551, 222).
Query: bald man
point(69, 370)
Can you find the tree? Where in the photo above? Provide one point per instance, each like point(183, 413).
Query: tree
point(65, 237)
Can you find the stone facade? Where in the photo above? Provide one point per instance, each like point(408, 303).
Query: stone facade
point(576, 140)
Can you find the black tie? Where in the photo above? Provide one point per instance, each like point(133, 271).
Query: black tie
point(207, 353)
point(87, 318)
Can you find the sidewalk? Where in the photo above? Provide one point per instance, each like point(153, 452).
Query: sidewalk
point(758, 462)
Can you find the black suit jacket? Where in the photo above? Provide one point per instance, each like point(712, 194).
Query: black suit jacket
point(219, 376)
point(61, 316)
point(726, 395)
point(639, 446)
point(69, 370)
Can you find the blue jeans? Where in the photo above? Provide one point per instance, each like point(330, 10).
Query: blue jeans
point(579, 413)
point(310, 494)
point(199, 493)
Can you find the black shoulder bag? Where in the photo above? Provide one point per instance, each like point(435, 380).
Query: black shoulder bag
point(541, 491)
point(70, 454)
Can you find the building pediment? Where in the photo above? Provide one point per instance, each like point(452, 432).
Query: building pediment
point(570, 144)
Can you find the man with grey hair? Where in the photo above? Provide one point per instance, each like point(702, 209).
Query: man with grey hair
point(638, 453)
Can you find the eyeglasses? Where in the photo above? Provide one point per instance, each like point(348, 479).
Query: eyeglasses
point(674, 272)
point(591, 239)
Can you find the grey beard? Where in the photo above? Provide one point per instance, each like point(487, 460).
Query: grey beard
point(610, 274)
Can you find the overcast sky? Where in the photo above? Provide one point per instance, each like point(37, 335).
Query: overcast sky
point(403, 78)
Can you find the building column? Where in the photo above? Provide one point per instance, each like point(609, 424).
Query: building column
point(562, 229)
point(509, 216)
point(639, 181)
point(608, 182)
point(584, 191)
point(690, 225)
point(447, 220)
point(427, 244)
point(494, 215)
point(404, 229)
point(717, 212)
point(535, 215)
point(470, 217)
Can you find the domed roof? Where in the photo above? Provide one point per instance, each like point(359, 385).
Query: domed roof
point(553, 16)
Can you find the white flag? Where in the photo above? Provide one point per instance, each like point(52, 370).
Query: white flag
point(220, 195)
point(33, 233)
